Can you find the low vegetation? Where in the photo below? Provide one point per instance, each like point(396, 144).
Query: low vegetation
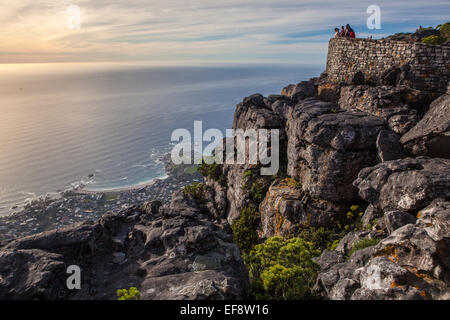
point(196, 191)
point(321, 238)
point(433, 40)
point(444, 30)
point(362, 244)
point(352, 220)
point(328, 238)
point(256, 186)
point(444, 34)
point(244, 229)
point(130, 294)
point(282, 269)
point(213, 171)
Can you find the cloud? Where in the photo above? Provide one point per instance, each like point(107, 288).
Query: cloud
point(225, 30)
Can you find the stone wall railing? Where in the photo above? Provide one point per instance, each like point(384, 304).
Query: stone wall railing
point(430, 64)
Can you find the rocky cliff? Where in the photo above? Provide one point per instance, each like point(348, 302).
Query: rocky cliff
point(175, 251)
point(376, 137)
point(375, 142)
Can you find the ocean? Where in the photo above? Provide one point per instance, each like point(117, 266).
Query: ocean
point(106, 126)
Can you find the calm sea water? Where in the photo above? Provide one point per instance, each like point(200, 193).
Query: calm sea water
point(59, 124)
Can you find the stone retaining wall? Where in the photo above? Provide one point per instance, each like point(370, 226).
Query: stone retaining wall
point(430, 64)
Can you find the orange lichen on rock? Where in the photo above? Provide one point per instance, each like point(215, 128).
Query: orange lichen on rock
point(390, 252)
point(289, 182)
point(420, 275)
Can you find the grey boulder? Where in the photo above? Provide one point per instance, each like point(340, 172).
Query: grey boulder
point(389, 146)
point(300, 91)
point(328, 147)
point(397, 219)
point(406, 184)
point(431, 136)
point(382, 101)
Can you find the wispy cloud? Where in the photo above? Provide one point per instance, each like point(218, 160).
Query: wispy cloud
point(200, 30)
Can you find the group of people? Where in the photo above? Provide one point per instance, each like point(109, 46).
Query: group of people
point(346, 32)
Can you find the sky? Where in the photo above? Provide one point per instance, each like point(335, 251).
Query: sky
point(195, 31)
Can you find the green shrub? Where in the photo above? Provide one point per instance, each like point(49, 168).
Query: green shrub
point(445, 30)
point(213, 171)
point(195, 190)
point(131, 294)
point(433, 40)
point(282, 269)
point(334, 244)
point(362, 244)
point(328, 238)
point(258, 190)
point(321, 238)
point(352, 220)
point(256, 186)
point(244, 229)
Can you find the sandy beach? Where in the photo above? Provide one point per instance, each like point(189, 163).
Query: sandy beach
point(122, 189)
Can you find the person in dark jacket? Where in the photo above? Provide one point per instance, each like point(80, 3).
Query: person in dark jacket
point(349, 32)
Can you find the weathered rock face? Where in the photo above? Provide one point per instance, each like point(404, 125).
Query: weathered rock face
point(329, 91)
point(300, 91)
point(350, 239)
point(393, 76)
point(280, 208)
point(176, 252)
point(383, 101)
point(237, 197)
point(255, 112)
point(286, 205)
point(328, 147)
point(215, 198)
point(412, 263)
point(370, 216)
point(435, 219)
point(418, 100)
point(358, 78)
point(405, 185)
point(279, 104)
point(397, 219)
point(431, 136)
point(389, 146)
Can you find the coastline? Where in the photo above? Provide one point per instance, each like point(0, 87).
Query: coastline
point(78, 204)
point(137, 186)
